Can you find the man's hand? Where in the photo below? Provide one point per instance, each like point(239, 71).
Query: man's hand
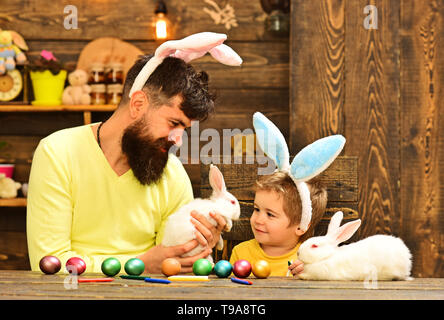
point(208, 235)
point(153, 257)
point(296, 267)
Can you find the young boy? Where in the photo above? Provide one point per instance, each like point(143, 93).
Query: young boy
point(275, 223)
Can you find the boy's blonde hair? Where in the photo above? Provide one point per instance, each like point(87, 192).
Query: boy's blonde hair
point(281, 183)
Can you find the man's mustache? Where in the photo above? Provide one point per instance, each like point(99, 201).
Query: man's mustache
point(164, 145)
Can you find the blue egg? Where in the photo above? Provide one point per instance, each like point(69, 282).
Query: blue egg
point(223, 268)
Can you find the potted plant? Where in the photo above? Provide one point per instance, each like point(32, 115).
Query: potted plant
point(48, 79)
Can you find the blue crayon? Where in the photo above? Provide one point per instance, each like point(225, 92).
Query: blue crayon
point(157, 280)
point(241, 281)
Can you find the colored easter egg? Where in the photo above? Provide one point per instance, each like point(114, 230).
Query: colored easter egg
point(261, 269)
point(202, 267)
point(242, 268)
point(50, 264)
point(134, 267)
point(76, 265)
point(171, 267)
point(223, 268)
point(111, 267)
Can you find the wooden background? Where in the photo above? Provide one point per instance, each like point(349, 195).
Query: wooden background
point(382, 89)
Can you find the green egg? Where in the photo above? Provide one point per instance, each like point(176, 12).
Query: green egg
point(111, 267)
point(134, 267)
point(202, 267)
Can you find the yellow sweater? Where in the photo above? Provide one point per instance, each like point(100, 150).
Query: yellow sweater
point(251, 251)
point(78, 206)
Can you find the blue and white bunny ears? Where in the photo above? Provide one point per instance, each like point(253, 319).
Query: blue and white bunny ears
point(187, 49)
point(308, 163)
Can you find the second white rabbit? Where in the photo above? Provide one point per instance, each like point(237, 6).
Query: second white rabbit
point(378, 257)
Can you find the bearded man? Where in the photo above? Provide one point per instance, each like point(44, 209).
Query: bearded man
point(106, 189)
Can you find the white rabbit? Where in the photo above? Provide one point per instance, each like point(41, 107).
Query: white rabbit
point(379, 257)
point(179, 229)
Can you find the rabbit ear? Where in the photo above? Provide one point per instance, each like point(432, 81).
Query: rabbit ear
point(304, 193)
point(188, 48)
point(224, 54)
point(335, 222)
point(216, 178)
point(188, 56)
point(346, 231)
point(271, 141)
point(316, 157)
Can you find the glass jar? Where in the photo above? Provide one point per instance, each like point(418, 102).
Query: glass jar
point(114, 93)
point(97, 73)
point(114, 73)
point(98, 94)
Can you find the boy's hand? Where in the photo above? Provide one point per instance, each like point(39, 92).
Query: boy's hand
point(296, 267)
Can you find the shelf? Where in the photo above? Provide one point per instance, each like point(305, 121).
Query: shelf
point(80, 108)
point(14, 202)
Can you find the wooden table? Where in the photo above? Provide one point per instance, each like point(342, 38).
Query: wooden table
point(35, 285)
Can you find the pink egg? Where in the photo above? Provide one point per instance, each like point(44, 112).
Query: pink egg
point(242, 268)
point(76, 264)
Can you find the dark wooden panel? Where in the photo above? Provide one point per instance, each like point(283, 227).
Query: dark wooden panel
point(13, 245)
point(235, 108)
point(265, 64)
point(317, 71)
point(341, 179)
point(21, 150)
point(422, 134)
point(37, 123)
point(132, 20)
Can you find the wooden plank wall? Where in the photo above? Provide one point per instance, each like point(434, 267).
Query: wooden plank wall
point(383, 90)
point(260, 84)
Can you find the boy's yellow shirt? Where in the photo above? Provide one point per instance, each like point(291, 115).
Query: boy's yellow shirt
point(78, 206)
point(251, 251)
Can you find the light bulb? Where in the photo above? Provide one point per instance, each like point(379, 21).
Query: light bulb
point(161, 26)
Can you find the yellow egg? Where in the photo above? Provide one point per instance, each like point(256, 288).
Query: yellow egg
point(170, 267)
point(261, 269)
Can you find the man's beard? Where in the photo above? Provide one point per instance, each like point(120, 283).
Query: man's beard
point(144, 153)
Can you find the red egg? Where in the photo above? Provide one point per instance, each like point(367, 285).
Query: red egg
point(50, 265)
point(242, 268)
point(76, 264)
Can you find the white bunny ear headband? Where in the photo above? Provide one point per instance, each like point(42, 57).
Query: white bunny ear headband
point(308, 163)
point(187, 49)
